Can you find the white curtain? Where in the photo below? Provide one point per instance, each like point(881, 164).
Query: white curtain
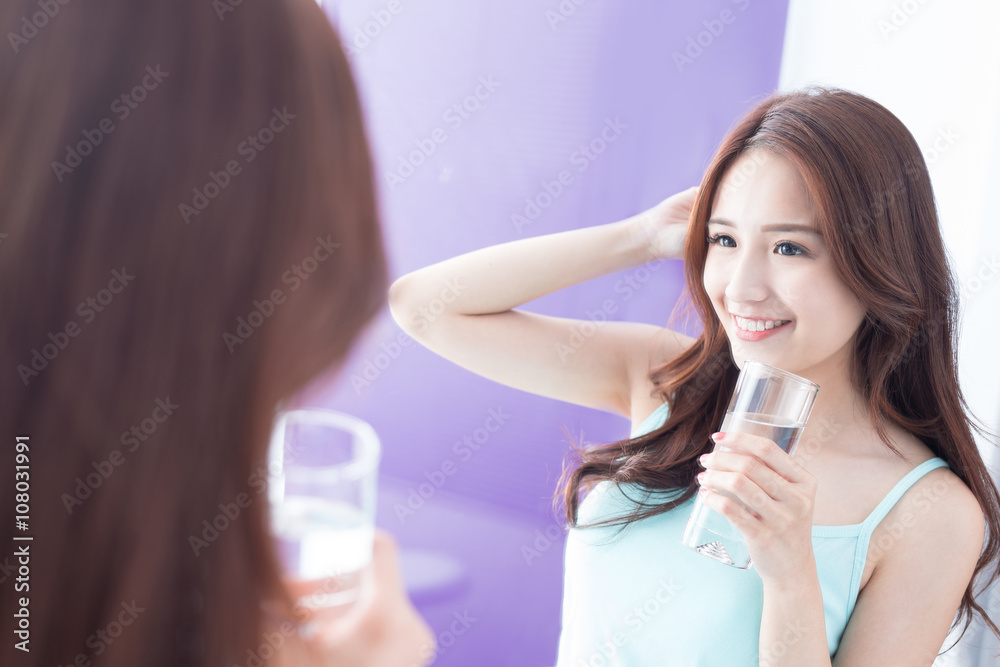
point(936, 65)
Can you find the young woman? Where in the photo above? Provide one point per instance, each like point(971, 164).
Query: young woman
point(812, 244)
point(172, 172)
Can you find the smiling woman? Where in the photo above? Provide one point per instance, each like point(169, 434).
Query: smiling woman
point(813, 245)
point(777, 281)
point(801, 253)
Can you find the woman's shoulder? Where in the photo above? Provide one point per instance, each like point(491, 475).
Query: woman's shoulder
point(945, 507)
point(934, 535)
point(938, 516)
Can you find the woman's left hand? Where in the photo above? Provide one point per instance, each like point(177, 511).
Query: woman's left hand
point(779, 493)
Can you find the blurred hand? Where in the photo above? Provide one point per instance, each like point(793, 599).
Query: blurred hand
point(382, 629)
point(662, 229)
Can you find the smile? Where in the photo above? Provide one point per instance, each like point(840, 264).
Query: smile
point(753, 330)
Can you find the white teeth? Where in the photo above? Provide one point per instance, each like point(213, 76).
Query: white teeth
point(757, 325)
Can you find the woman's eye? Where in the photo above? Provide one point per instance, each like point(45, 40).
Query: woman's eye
point(724, 240)
point(793, 249)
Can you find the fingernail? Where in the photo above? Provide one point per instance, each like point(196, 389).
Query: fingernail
point(700, 476)
point(718, 436)
point(703, 460)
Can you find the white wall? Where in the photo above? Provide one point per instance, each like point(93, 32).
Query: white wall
point(936, 65)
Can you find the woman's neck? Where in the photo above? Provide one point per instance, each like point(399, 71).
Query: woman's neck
point(839, 423)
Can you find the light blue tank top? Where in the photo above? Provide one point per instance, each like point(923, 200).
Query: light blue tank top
point(641, 599)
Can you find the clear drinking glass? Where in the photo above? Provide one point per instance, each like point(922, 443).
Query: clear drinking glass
point(768, 402)
point(323, 470)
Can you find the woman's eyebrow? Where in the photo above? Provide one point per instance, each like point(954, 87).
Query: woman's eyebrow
point(777, 227)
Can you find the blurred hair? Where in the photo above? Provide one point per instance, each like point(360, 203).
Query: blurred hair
point(876, 212)
point(194, 318)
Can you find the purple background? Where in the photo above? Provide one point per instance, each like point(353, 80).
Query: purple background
point(482, 550)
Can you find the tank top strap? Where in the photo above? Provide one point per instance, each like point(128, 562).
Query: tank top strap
point(901, 487)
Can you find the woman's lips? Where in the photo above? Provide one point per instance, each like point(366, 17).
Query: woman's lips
point(751, 336)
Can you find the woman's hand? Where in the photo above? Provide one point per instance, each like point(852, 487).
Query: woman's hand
point(779, 493)
point(662, 229)
point(382, 628)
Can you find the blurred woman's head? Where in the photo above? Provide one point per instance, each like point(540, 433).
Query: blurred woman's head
point(191, 235)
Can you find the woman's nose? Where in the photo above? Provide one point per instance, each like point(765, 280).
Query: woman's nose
point(748, 280)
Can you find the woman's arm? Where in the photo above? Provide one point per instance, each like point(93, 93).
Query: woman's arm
point(904, 612)
point(463, 308)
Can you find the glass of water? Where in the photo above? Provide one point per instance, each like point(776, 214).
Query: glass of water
point(323, 469)
point(768, 402)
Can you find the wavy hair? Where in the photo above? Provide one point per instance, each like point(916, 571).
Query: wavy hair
point(876, 212)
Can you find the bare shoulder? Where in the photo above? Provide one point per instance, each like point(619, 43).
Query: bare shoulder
point(947, 523)
point(933, 540)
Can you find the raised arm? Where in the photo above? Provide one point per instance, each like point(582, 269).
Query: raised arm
point(464, 309)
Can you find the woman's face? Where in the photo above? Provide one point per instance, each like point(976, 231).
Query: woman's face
point(767, 263)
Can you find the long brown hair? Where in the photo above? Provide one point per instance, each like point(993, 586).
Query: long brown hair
point(191, 235)
point(876, 212)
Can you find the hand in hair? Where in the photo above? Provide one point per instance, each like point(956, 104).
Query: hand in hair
point(663, 228)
